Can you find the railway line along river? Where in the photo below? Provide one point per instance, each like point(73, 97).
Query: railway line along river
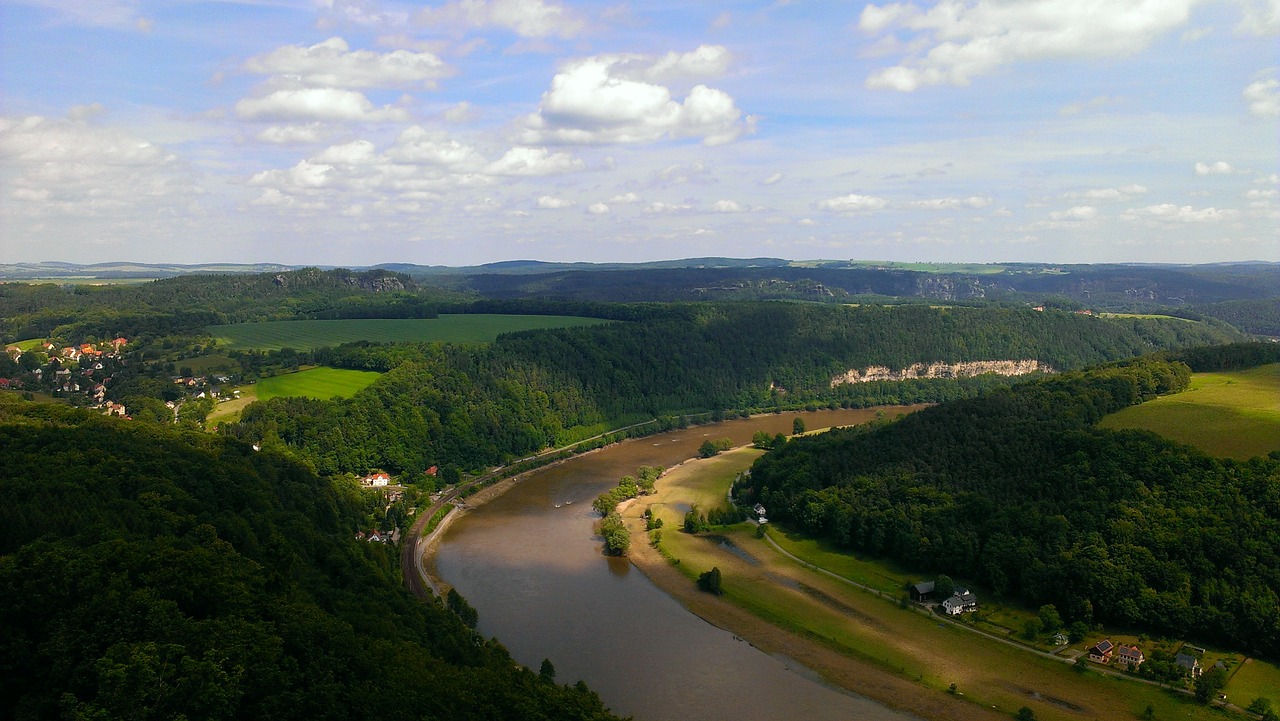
point(530, 563)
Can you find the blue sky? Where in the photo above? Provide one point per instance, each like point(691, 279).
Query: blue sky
point(364, 131)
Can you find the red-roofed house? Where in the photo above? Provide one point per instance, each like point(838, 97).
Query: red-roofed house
point(1129, 656)
point(376, 479)
point(1101, 651)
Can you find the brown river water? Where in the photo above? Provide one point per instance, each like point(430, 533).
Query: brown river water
point(529, 562)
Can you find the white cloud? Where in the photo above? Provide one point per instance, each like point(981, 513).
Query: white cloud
point(526, 18)
point(598, 209)
point(1094, 103)
point(852, 203)
point(357, 152)
point(1171, 213)
point(332, 63)
point(1121, 193)
point(1261, 17)
point(71, 167)
point(773, 179)
point(534, 161)
point(1273, 179)
point(1263, 97)
point(317, 104)
point(668, 208)
point(286, 134)
point(548, 202)
point(461, 113)
point(606, 99)
point(1219, 168)
point(1079, 212)
point(973, 201)
point(419, 145)
point(971, 39)
point(707, 61)
point(727, 206)
point(625, 199)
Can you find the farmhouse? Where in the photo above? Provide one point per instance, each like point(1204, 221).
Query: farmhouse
point(376, 480)
point(960, 602)
point(1129, 657)
point(1189, 662)
point(1101, 651)
point(922, 591)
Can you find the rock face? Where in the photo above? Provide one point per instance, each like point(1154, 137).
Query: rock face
point(942, 370)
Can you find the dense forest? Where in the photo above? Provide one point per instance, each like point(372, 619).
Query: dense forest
point(469, 407)
point(146, 574)
point(1017, 490)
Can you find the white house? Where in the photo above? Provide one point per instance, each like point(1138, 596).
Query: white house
point(960, 602)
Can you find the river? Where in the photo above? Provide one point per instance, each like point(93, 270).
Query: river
point(529, 562)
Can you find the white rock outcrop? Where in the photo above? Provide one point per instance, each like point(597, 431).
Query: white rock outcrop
point(942, 370)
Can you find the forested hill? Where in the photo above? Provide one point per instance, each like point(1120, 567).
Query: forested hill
point(149, 575)
point(1018, 491)
point(474, 406)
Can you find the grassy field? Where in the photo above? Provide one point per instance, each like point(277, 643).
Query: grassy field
point(864, 626)
point(1235, 415)
point(322, 383)
point(1255, 678)
point(1143, 315)
point(309, 334)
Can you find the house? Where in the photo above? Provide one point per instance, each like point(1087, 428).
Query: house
point(119, 343)
point(1060, 639)
point(960, 602)
point(1189, 663)
point(1129, 657)
point(432, 471)
point(922, 591)
point(376, 480)
point(1101, 651)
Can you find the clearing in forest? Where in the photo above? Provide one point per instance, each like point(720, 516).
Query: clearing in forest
point(321, 383)
point(1233, 414)
point(311, 334)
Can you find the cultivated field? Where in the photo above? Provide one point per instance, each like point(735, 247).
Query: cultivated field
point(1234, 415)
point(310, 334)
point(868, 629)
point(322, 383)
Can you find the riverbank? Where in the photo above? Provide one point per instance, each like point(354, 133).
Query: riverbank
point(836, 669)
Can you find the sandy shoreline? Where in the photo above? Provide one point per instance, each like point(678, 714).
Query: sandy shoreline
point(834, 668)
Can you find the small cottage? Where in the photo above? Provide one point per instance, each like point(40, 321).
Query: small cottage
point(922, 591)
point(1101, 651)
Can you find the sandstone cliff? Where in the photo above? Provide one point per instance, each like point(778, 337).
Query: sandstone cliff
point(942, 370)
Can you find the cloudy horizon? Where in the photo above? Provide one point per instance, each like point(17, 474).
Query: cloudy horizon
point(357, 132)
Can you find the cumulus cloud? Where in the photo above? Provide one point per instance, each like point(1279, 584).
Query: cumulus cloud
point(615, 99)
point(420, 145)
point(548, 202)
point(971, 39)
point(1120, 193)
point(852, 203)
point(1263, 97)
point(660, 208)
point(1168, 212)
point(973, 201)
point(727, 206)
point(317, 104)
point(1219, 168)
point(625, 199)
point(526, 18)
point(286, 134)
point(598, 209)
point(534, 161)
point(1079, 212)
point(1261, 17)
point(773, 179)
point(72, 167)
point(332, 63)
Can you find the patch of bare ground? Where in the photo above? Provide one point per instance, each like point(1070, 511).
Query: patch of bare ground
point(848, 673)
point(1036, 695)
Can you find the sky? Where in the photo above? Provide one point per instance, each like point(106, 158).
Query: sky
point(356, 132)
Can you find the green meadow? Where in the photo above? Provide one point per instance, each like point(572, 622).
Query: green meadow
point(1233, 415)
point(29, 344)
point(322, 383)
point(311, 334)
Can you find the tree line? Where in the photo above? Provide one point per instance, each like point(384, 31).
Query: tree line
point(1017, 490)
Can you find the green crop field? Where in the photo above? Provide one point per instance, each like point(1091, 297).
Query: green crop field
point(311, 334)
point(319, 383)
point(1234, 415)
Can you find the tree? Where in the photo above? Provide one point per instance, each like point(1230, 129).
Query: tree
point(456, 603)
point(710, 581)
point(944, 587)
point(707, 449)
point(762, 440)
point(616, 538)
point(1077, 631)
point(1032, 628)
point(797, 426)
point(1050, 618)
point(1209, 684)
point(547, 672)
point(1025, 714)
point(1260, 705)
